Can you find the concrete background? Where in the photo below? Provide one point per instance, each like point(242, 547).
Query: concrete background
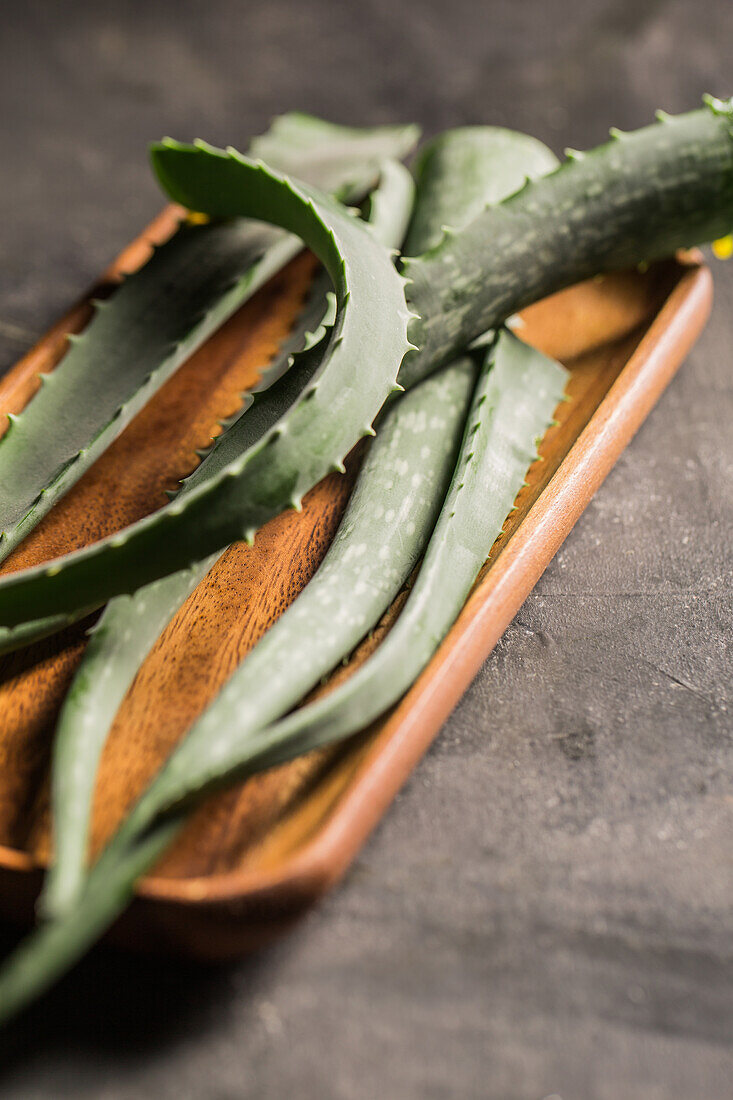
point(546, 911)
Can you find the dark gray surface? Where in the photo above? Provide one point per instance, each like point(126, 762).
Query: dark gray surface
point(546, 911)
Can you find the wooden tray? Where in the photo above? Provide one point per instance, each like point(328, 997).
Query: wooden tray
point(253, 858)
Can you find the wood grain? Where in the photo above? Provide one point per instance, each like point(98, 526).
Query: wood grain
point(254, 856)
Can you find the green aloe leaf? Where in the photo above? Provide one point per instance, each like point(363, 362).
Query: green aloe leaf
point(384, 531)
point(634, 199)
point(638, 198)
point(337, 407)
point(130, 626)
point(160, 314)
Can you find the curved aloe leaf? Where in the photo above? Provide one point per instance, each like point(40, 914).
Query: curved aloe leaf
point(336, 409)
point(342, 160)
point(130, 626)
point(160, 314)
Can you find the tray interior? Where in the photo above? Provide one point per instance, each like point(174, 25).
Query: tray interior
point(593, 328)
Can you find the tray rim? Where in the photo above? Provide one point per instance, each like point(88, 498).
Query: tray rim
point(416, 721)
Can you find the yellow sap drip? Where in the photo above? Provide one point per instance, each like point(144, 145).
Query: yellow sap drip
point(194, 218)
point(723, 248)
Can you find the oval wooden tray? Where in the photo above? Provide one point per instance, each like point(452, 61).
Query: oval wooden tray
point(253, 858)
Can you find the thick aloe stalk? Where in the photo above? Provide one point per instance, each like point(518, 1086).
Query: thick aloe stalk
point(160, 315)
point(639, 197)
point(130, 626)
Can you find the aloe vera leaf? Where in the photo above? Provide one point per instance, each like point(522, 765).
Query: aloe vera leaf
point(337, 408)
point(634, 199)
point(373, 552)
point(383, 532)
point(133, 343)
point(311, 326)
point(342, 160)
point(515, 398)
point(67, 945)
point(513, 402)
point(637, 198)
point(387, 513)
point(460, 172)
point(315, 318)
point(130, 626)
point(158, 316)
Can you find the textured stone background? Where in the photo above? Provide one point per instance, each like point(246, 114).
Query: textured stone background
point(546, 911)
